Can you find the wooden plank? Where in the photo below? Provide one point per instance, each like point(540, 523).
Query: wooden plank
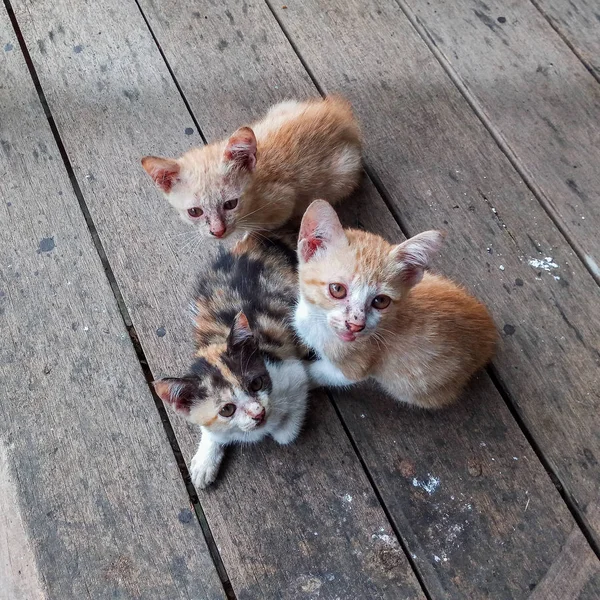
point(282, 518)
point(18, 569)
point(578, 22)
point(572, 575)
point(537, 96)
point(92, 496)
point(440, 168)
point(431, 526)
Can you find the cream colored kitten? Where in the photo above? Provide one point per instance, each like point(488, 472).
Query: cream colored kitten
point(261, 177)
point(370, 311)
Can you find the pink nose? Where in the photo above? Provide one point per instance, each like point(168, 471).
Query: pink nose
point(218, 233)
point(260, 417)
point(354, 327)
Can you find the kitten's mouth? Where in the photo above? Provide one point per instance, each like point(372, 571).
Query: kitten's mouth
point(255, 426)
point(260, 420)
point(346, 336)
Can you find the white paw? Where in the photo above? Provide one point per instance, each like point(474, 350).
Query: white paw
point(285, 439)
point(203, 473)
point(287, 435)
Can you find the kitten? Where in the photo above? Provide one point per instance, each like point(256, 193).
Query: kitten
point(248, 379)
point(369, 311)
point(261, 177)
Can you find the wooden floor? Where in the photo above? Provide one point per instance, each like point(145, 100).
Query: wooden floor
point(481, 118)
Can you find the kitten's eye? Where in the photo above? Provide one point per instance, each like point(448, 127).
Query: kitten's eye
point(230, 204)
point(381, 302)
point(256, 384)
point(337, 290)
point(228, 410)
point(195, 212)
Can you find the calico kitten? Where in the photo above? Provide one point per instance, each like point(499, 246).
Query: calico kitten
point(248, 379)
point(369, 311)
point(263, 176)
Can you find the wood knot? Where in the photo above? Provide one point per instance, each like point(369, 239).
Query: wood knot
point(474, 467)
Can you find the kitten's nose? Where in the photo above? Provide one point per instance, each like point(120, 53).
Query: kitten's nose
point(354, 327)
point(260, 417)
point(218, 233)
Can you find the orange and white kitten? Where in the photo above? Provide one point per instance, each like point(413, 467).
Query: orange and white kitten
point(263, 176)
point(369, 310)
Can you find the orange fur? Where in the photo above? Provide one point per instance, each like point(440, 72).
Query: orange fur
point(301, 151)
point(424, 346)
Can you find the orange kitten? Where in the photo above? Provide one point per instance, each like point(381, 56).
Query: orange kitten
point(370, 311)
point(261, 177)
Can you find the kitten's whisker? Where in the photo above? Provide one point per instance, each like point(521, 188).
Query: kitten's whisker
point(376, 341)
point(260, 235)
point(381, 329)
point(179, 236)
point(378, 338)
point(259, 208)
point(194, 237)
point(197, 245)
point(188, 232)
point(252, 227)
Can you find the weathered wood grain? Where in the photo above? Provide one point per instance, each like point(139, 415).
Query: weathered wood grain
point(537, 95)
point(281, 518)
point(93, 504)
point(578, 22)
point(18, 569)
point(574, 574)
point(441, 168)
point(506, 564)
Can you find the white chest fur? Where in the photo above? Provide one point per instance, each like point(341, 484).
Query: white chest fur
point(311, 326)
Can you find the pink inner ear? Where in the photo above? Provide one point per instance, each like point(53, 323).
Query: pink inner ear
point(166, 179)
point(166, 391)
point(320, 227)
point(241, 149)
point(413, 256)
point(240, 331)
point(163, 390)
point(164, 172)
point(307, 227)
point(411, 275)
point(309, 246)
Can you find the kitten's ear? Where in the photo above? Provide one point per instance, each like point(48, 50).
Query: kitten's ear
point(240, 151)
point(240, 332)
point(412, 257)
point(320, 229)
point(179, 393)
point(164, 171)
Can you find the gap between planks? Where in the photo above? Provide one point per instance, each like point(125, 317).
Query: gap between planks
point(164, 417)
point(511, 405)
point(172, 74)
point(504, 146)
point(579, 518)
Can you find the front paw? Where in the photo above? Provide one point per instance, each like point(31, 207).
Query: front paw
point(286, 437)
point(203, 473)
point(288, 431)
